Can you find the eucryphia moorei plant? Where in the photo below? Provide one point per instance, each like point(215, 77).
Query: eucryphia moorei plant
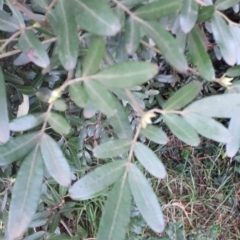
point(74, 70)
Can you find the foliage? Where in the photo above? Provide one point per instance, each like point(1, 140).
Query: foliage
point(80, 88)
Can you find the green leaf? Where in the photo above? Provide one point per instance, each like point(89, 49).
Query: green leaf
point(97, 180)
point(125, 75)
point(26, 194)
point(233, 71)
point(112, 148)
point(205, 13)
point(36, 236)
point(78, 94)
point(12, 78)
point(158, 9)
point(60, 105)
point(59, 124)
point(26, 122)
point(145, 199)
point(33, 49)
point(131, 36)
point(166, 44)
point(198, 54)
point(96, 16)
point(219, 106)
point(17, 148)
point(132, 3)
point(120, 122)
point(189, 14)
point(208, 127)
point(27, 90)
point(225, 4)
point(8, 23)
point(94, 56)
point(16, 14)
point(116, 213)
point(155, 134)
point(235, 30)
point(4, 126)
point(67, 34)
point(100, 98)
point(234, 128)
point(55, 161)
point(183, 96)
point(149, 160)
point(224, 39)
point(181, 129)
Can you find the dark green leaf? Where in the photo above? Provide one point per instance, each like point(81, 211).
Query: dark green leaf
point(4, 125)
point(158, 9)
point(17, 148)
point(220, 106)
point(234, 128)
point(97, 180)
point(208, 127)
point(96, 16)
point(59, 124)
point(145, 199)
point(9, 77)
point(7, 22)
point(131, 36)
point(33, 49)
point(155, 134)
point(205, 13)
point(26, 122)
point(26, 194)
point(225, 4)
point(189, 14)
point(67, 34)
point(224, 39)
point(132, 3)
point(101, 98)
point(112, 148)
point(116, 213)
point(233, 71)
point(94, 56)
point(166, 44)
point(36, 236)
point(183, 96)
point(125, 75)
point(181, 129)
point(198, 54)
point(55, 161)
point(78, 94)
point(27, 90)
point(149, 160)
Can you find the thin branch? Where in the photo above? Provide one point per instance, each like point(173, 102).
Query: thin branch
point(47, 114)
point(133, 100)
point(13, 52)
point(230, 22)
point(49, 8)
point(66, 227)
point(150, 46)
point(16, 34)
point(134, 142)
point(23, 9)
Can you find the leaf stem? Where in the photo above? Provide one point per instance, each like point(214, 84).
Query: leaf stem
point(49, 8)
point(134, 142)
point(47, 114)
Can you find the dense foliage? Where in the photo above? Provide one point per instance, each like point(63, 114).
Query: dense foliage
point(82, 97)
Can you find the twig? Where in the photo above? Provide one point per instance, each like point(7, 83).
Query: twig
point(25, 10)
point(47, 114)
point(54, 39)
point(66, 227)
point(49, 8)
point(9, 40)
point(133, 100)
point(150, 46)
point(134, 142)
